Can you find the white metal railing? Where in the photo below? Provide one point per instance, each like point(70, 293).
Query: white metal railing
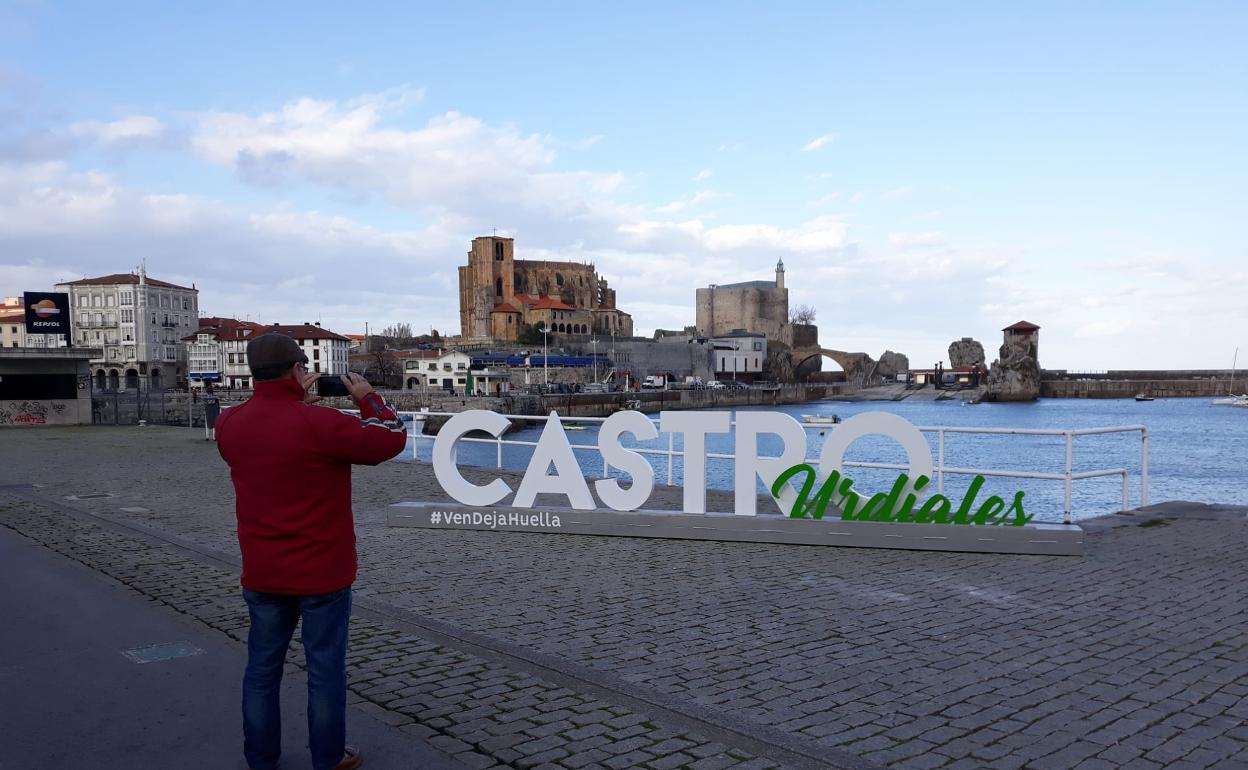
point(1068, 476)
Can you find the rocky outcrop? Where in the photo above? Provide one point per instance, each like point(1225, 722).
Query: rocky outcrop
point(965, 353)
point(1015, 376)
point(892, 364)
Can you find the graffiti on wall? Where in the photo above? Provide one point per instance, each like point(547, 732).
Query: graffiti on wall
point(29, 412)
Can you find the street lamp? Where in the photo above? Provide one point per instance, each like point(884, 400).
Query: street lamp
point(545, 369)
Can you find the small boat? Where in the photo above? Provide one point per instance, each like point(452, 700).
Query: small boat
point(821, 419)
point(1143, 397)
point(1231, 399)
point(574, 427)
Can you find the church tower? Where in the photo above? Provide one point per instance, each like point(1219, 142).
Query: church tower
point(780, 274)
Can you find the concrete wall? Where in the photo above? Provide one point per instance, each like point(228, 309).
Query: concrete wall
point(682, 358)
point(605, 404)
point(45, 412)
point(1128, 388)
point(27, 412)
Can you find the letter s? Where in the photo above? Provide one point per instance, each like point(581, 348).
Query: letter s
point(632, 463)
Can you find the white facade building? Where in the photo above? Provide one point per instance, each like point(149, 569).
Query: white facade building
point(738, 353)
point(217, 351)
point(139, 322)
point(445, 369)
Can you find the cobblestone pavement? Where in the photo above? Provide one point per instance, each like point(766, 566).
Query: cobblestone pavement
point(711, 654)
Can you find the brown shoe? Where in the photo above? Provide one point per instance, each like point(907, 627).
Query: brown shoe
point(351, 759)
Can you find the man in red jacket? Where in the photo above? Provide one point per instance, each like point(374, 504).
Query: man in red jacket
point(291, 466)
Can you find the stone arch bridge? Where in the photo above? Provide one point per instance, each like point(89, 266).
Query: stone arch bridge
point(861, 369)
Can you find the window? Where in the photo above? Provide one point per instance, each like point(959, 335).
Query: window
point(127, 316)
point(153, 318)
point(315, 343)
point(112, 300)
point(316, 355)
point(95, 301)
point(186, 304)
point(433, 367)
point(83, 317)
point(127, 297)
point(317, 367)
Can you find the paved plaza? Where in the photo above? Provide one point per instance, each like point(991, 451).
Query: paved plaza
point(549, 651)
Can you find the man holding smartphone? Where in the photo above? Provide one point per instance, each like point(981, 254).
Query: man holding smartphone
point(290, 462)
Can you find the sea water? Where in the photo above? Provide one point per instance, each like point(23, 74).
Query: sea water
point(1197, 451)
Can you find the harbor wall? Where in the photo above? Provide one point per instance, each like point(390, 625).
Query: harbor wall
point(1129, 388)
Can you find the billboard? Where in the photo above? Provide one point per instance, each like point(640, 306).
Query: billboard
point(47, 312)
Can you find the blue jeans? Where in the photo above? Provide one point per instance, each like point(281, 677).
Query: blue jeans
point(273, 619)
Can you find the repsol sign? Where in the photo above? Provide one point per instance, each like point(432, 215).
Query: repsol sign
point(799, 489)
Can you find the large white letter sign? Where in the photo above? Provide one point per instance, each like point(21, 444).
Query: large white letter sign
point(749, 464)
point(445, 469)
point(897, 428)
point(632, 463)
point(694, 426)
point(553, 447)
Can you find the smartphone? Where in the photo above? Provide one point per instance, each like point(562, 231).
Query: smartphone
point(329, 385)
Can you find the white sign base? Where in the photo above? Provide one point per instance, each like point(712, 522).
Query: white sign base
point(1035, 539)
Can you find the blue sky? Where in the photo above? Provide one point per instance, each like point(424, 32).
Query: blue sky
point(927, 171)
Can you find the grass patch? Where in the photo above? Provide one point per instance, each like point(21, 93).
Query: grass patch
point(1155, 523)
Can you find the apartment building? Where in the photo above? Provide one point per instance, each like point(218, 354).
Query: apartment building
point(138, 322)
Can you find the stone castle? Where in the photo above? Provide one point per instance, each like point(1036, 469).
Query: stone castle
point(756, 306)
point(499, 294)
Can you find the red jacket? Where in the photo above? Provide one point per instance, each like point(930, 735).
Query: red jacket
point(291, 467)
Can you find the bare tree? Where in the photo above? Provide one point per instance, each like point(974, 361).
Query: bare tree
point(802, 314)
point(400, 331)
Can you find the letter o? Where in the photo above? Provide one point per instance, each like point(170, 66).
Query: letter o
point(918, 453)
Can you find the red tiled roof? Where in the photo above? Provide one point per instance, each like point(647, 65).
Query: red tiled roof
point(1022, 326)
point(18, 316)
point(225, 328)
point(304, 332)
point(504, 307)
point(550, 303)
point(124, 278)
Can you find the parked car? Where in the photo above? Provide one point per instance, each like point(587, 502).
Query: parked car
point(715, 385)
point(734, 385)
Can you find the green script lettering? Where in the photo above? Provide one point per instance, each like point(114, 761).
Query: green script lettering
point(891, 507)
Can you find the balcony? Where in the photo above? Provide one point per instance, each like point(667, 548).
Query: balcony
point(169, 324)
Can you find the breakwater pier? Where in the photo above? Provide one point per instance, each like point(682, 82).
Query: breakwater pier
point(1126, 383)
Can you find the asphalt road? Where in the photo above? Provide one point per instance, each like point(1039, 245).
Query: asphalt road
point(71, 698)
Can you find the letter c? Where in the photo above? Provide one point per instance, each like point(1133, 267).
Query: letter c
point(447, 472)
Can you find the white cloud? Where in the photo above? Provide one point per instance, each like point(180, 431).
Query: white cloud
point(703, 175)
point(129, 129)
point(1110, 328)
point(818, 142)
point(688, 203)
point(917, 240)
point(898, 193)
